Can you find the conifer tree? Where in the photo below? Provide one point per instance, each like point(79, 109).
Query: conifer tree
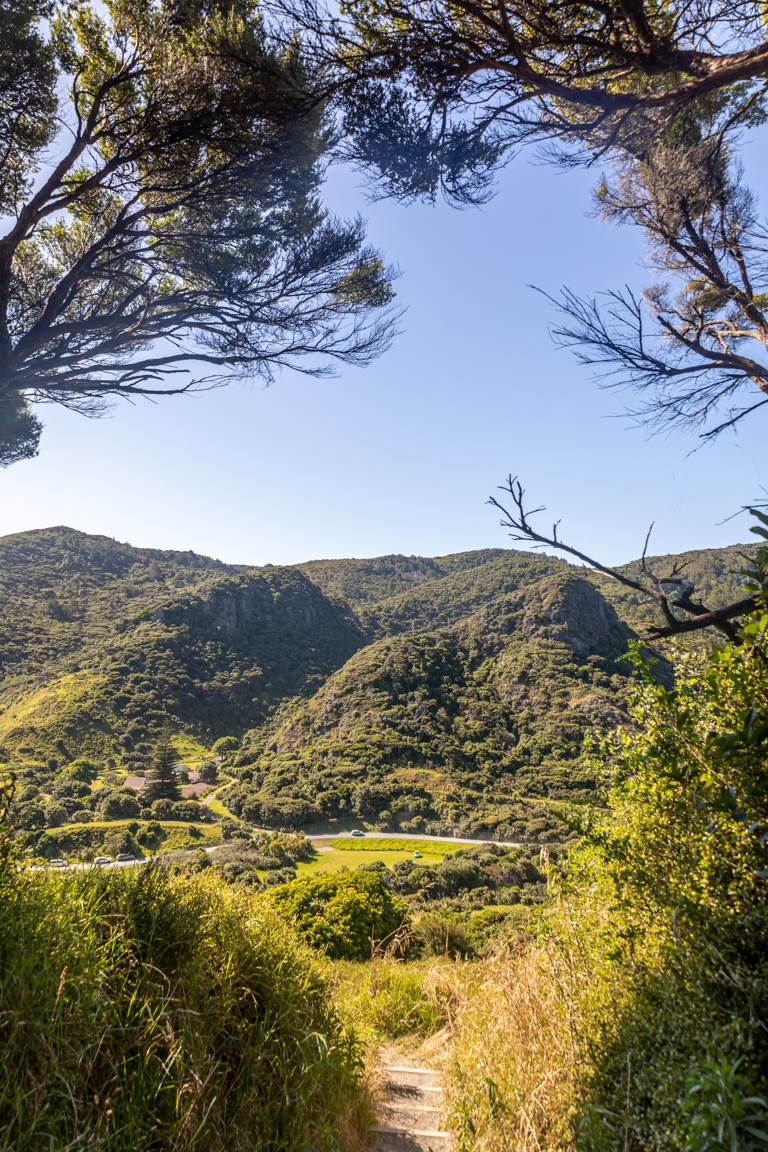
point(162, 784)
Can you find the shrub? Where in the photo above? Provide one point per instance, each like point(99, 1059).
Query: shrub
point(225, 744)
point(141, 1012)
point(344, 914)
point(437, 935)
point(117, 806)
point(179, 810)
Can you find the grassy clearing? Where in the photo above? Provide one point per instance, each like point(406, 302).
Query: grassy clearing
point(393, 844)
point(140, 1012)
point(332, 861)
point(189, 750)
point(353, 851)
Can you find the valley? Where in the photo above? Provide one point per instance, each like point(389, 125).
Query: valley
point(446, 696)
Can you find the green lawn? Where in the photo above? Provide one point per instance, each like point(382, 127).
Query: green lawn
point(336, 854)
point(390, 844)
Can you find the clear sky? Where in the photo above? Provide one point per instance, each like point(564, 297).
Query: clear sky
point(401, 456)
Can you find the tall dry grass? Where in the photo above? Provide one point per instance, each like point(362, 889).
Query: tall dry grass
point(513, 1068)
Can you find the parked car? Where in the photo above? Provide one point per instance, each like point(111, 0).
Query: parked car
point(357, 832)
point(59, 864)
point(417, 855)
point(100, 861)
point(126, 858)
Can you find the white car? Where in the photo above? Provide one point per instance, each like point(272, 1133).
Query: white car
point(100, 861)
point(357, 832)
point(59, 864)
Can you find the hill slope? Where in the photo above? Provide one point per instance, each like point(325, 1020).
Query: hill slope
point(449, 692)
point(104, 646)
point(450, 728)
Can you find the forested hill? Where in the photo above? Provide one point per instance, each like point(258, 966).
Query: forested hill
point(452, 691)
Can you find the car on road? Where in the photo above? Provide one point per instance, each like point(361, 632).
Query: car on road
point(126, 858)
point(357, 832)
point(58, 863)
point(100, 861)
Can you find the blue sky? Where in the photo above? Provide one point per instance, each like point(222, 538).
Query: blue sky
point(401, 456)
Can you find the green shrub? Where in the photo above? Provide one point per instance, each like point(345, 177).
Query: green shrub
point(225, 744)
point(437, 935)
point(137, 1012)
point(344, 914)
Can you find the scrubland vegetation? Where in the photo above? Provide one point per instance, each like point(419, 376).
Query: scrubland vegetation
point(604, 995)
point(636, 1015)
point(141, 1012)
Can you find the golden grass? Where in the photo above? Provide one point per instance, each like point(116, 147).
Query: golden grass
point(511, 1080)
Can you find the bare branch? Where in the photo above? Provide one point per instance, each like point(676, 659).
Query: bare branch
point(667, 592)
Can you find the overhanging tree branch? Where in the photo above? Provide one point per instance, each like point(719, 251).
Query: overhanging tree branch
point(667, 591)
point(180, 226)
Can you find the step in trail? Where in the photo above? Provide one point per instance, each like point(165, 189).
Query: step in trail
point(410, 1112)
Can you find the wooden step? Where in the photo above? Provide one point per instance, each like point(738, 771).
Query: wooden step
point(391, 1139)
point(410, 1116)
point(401, 1070)
point(399, 1113)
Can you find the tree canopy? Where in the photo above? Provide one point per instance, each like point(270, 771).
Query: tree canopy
point(160, 169)
point(437, 95)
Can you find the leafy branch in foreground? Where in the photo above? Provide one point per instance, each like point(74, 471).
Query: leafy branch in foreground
point(437, 95)
point(669, 591)
point(475, 79)
point(165, 227)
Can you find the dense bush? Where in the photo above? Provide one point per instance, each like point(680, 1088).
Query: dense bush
point(438, 935)
point(139, 1013)
point(344, 914)
point(651, 986)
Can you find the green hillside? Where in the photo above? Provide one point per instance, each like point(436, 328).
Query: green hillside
point(104, 647)
point(444, 694)
point(368, 581)
point(466, 728)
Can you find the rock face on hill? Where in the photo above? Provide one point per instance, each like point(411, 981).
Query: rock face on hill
point(143, 641)
point(449, 726)
point(450, 692)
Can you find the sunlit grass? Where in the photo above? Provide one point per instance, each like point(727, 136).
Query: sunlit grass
point(390, 844)
point(143, 1012)
point(333, 861)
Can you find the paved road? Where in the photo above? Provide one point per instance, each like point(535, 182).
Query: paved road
point(315, 836)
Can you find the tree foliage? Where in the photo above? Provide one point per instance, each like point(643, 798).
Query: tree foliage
point(161, 166)
point(344, 914)
point(436, 96)
point(162, 783)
